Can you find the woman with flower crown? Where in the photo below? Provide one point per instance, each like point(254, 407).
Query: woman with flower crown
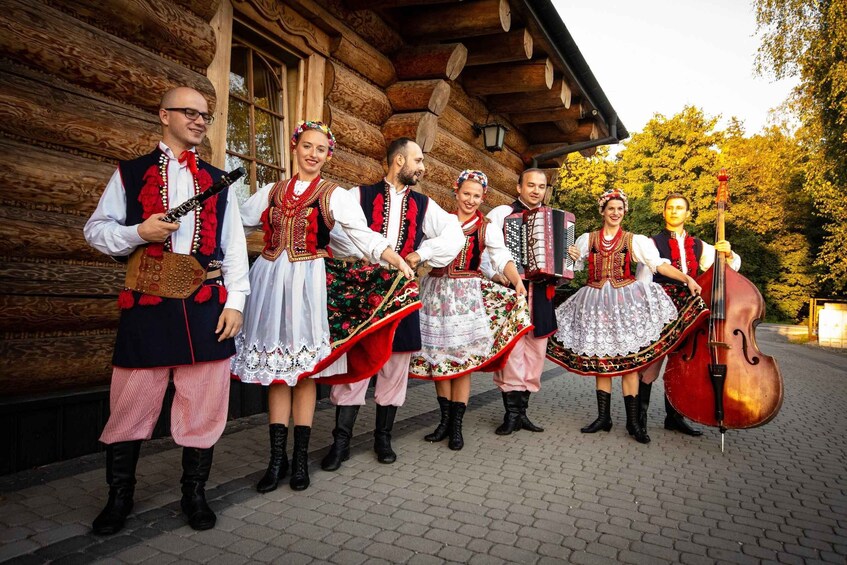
point(468, 323)
point(616, 325)
point(286, 336)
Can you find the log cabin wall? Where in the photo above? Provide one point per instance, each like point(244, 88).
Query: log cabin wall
point(81, 81)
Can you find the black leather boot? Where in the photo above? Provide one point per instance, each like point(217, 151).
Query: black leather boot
point(636, 431)
point(674, 421)
point(196, 464)
point(345, 419)
point(644, 390)
point(121, 460)
point(300, 459)
point(526, 424)
point(457, 412)
point(604, 418)
point(382, 433)
point(513, 402)
point(443, 428)
point(278, 465)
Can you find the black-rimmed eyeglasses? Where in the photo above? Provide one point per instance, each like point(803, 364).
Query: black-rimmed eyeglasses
point(193, 114)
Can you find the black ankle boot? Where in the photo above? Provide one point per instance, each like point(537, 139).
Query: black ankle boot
point(196, 464)
point(345, 419)
point(636, 431)
point(121, 460)
point(643, 403)
point(382, 433)
point(604, 418)
point(526, 424)
point(300, 459)
point(278, 465)
point(443, 427)
point(675, 422)
point(512, 401)
point(457, 412)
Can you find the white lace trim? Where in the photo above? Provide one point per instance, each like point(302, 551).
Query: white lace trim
point(259, 364)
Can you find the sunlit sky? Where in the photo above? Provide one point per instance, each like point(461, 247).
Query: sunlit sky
point(656, 56)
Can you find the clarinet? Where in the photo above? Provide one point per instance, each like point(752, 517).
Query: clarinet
point(174, 214)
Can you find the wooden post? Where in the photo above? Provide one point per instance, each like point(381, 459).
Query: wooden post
point(218, 73)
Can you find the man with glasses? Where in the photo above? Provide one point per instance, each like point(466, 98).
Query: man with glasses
point(180, 324)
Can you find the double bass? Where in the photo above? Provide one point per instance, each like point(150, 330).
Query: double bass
point(718, 376)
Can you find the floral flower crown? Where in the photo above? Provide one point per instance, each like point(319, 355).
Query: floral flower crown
point(613, 194)
point(470, 174)
point(317, 126)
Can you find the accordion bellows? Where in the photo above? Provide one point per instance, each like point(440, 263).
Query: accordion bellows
point(539, 240)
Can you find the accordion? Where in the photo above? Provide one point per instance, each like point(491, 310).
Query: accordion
point(539, 240)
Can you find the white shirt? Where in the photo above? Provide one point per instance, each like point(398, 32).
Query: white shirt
point(707, 259)
point(444, 236)
point(106, 229)
point(643, 251)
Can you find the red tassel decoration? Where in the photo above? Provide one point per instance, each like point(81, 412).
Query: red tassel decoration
point(149, 300)
point(222, 294)
point(125, 299)
point(155, 250)
point(379, 202)
point(204, 294)
point(412, 218)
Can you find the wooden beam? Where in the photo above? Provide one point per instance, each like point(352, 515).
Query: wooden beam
point(456, 21)
point(475, 110)
point(451, 150)
point(439, 61)
point(41, 234)
point(89, 57)
point(459, 125)
point(534, 150)
point(530, 76)
point(352, 133)
point(62, 277)
point(345, 90)
point(352, 169)
point(53, 313)
point(551, 132)
point(412, 95)
point(419, 126)
point(575, 112)
point(218, 73)
point(555, 98)
point(513, 46)
point(363, 58)
point(383, 4)
point(206, 9)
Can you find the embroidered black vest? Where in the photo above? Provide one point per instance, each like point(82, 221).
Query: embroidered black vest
point(541, 306)
point(662, 241)
point(174, 332)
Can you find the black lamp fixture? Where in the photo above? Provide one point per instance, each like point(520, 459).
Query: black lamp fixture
point(493, 135)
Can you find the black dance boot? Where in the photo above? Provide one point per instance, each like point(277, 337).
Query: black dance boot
point(512, 401)
point(300, 459)
point(278, 466)
point(196, 464)
point(636, 431)
point(526, 424)
point(604, 418)
point(457, 412)
point(121, 460)
point(643, 403)
point(382, 433)
point(345, 419)
point(674, 421)
point(443, 428)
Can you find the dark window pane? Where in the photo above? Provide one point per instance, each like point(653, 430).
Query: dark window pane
point(268, 137)
point(264, 175)
point(238, 71)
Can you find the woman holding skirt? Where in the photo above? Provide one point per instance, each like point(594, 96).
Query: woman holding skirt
point(468, 323)
point(287, 333)
point(616, 325)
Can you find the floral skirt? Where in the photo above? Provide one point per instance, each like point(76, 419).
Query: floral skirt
point(613, 331)
point(467, 325)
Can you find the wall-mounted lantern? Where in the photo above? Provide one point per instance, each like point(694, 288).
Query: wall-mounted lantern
point(493, 135)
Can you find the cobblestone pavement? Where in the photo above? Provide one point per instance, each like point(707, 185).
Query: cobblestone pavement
point(778, 493)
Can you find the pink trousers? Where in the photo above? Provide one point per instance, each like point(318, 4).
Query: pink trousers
point(199, 410)
point(391, 384)
point(524, 366)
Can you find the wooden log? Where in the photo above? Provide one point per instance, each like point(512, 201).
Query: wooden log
point(35, 364)
point(40, 234)
point(453, 151)
point(575, 112)
point(551, 132)
point(419, 126)
point(365, 22)
point(156, 24)
point(346, 91)
point(34, 106)
point(558, 96)
point(443, 61)
point(535, 150)
point(513, 46)
point(459, 125)
point(61, 278)
point(383, 4)
point(351, 169)
point(586, 130)
point(363, 58)
point(473, 109)
point(530, 76)
point(414, 95)
point(53, 313)
point(443, 175)
point(39, 176)
point(453, 21)
point(352, 133)
point(206, 9)
point(90, 57)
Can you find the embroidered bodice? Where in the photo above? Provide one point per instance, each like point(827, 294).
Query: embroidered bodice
point(298, 224)
point(610, 261)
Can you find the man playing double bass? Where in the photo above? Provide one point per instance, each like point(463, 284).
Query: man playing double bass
point(691, 256)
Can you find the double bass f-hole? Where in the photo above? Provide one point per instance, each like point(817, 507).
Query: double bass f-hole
point(692, 340)
point(754, 360)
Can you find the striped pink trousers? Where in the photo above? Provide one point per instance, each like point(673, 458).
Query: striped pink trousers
point(199, 410)
point(523, 368)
